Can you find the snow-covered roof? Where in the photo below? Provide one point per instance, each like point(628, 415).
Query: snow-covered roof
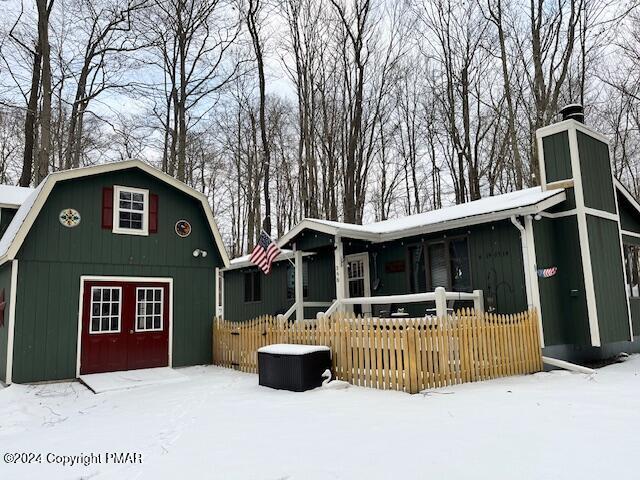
point(521, 202)
point(12, 196)
point(25, 216)
point(18, 219)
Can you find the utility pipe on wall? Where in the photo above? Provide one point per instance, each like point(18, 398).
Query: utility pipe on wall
point(525, 259)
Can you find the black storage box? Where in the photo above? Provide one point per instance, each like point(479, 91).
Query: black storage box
point(293, 367)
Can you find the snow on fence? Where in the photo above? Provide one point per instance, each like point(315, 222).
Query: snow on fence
point(398, 354)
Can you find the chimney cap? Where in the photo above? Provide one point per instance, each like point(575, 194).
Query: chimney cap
point(573, 111)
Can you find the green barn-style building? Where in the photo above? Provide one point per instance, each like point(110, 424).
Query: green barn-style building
point(105, 268)
point(569, 248)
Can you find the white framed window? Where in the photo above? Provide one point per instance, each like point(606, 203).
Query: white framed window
point(149, 309)
point(130, 210)
point(106, 309)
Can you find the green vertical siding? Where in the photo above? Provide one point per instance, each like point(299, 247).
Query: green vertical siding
point(5, 284)
point(608, 279)
point(53, 258)
point(562, 297)
point(557, 157)
point(595, 168)
point(274, 288)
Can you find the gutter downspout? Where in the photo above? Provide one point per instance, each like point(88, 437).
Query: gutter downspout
point(525, 259)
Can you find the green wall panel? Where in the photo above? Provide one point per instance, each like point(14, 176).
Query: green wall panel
point(557, 157)
point(274, 288)
point(608, 279)
point(5, 283)
point(595, 168)
point(562, 297)
point(47, 315)
point(53, 258)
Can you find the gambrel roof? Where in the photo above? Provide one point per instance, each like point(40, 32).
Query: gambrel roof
point(28, 212)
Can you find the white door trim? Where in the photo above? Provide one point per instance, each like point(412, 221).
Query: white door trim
point(366, 309)
point(12, 320)
point(100, 278)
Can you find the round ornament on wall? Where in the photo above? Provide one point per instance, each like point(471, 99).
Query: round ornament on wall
point(69, 217)
point(183, 228)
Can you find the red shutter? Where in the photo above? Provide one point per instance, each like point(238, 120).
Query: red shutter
point(153, 213)
point(107, 207)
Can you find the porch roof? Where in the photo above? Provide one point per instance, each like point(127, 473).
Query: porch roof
point(529, 201)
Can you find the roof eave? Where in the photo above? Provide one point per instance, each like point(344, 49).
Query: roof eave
point(531, 209)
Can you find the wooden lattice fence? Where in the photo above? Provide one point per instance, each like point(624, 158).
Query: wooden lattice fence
point(399, 354)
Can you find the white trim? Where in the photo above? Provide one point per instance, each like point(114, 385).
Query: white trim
point(135, 325)
point(566, 213)
point(601, 213)
point(630, 234)
point(12, 321)
point(100, 332)
point(219, 292)
point(122, 279)
point(533, 267)
point(117, 189)
point(338, 262)
point(55, 177)
point(298, 284)
point(585, 251)
point(364, 257)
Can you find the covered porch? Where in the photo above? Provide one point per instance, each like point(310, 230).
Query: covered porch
point(396, 288)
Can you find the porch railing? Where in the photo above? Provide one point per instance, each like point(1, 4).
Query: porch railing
point(292, 310)
point(440, 296)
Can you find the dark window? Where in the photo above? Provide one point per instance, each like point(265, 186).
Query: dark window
point(291, 280)
point(438, 269)
point(252, 284)
point(632, 266)
point(446, 265)
point(459, 263)
point(417, 272)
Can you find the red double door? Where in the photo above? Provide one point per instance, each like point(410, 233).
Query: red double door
point(125, 326)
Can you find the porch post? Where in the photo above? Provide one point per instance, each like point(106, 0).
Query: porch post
point(339, 270)
point(299, 284)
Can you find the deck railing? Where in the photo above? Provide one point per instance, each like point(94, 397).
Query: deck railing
point(399, 354)
point(440, 296)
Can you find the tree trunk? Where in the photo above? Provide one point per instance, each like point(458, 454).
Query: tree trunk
point(30, 121)
point(45, 115)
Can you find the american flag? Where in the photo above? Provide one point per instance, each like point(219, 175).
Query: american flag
point(265, 252)
point(547, 272)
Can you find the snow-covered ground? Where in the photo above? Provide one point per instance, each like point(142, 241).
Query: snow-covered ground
point(220, 424)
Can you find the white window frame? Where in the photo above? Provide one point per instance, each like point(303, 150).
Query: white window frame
point(161, 310)
point(117, 189)
point(107, 332)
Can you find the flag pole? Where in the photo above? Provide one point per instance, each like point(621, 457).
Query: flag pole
point(263, 231)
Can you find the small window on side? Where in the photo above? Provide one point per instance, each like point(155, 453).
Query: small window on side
point(252, 286)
